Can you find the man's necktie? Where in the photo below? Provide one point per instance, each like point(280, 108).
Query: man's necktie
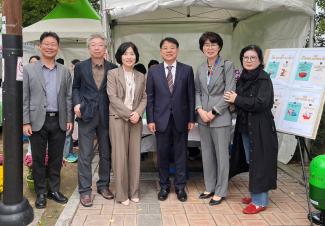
point(170, 79)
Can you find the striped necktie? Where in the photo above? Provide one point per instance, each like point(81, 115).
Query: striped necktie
point(170, 78)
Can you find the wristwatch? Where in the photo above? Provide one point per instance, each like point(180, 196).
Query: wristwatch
point(214, 112)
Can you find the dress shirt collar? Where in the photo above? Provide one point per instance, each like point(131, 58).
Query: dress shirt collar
point(95, 65)
point(44, 65)
point(173, 64)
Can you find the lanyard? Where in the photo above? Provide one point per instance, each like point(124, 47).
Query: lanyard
point(211, 69)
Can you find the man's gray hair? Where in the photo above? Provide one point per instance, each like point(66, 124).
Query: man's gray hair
point(97, 35)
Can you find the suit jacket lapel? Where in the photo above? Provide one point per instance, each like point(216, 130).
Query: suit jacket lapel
point(162, 75)
point(90, 73)
point(204, 75)
point(137, 86)
point(216, 74)
point(121, 77)
point(59, 74)
point(178, 75)
point(106, 68)
point(39, 72)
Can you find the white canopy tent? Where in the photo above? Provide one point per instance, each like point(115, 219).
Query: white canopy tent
point(73, 33)
point(74, 21)
point(268, 23)
point(66, 28)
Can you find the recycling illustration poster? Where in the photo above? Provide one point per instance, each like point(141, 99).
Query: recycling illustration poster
point(311, 68)
point(298, 77)
point(280, 64)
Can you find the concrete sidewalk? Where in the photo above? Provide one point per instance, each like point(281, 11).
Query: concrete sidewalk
point(288, 206)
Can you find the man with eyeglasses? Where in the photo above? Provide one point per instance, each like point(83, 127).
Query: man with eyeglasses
point(47, 116)
point(90, 103)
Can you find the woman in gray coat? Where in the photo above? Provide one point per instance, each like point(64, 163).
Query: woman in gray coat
point(213, 78)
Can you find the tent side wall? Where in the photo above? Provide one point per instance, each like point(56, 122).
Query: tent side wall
point(148, 37)
point(271, 30)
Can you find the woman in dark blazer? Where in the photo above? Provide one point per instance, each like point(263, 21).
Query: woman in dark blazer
point(214, 76)
point(128, 99)
point(255, 140)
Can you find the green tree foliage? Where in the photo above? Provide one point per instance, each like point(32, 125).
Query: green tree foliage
point(318, 145)
point(35, 10)
point(95, 4)
point(320, 24)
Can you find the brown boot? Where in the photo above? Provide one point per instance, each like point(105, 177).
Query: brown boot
point(86, 201)
point(106, 193)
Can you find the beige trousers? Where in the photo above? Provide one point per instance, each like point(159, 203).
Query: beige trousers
point(125, 139)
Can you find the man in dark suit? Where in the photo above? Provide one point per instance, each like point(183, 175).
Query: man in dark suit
point(47, 116)
point(170, 114)
point(90, 103)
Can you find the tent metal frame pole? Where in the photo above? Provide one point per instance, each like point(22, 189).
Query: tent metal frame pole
point(116, 22)
point(106, 22)
point(121, 23)
point(112, 38)
point(103, 19)
point(310, 45)
point(312, 27)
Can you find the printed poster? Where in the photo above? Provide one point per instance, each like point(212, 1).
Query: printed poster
point(280, 64)
point(310, 69)
point(278, 106)
point(300, 114)
point(298, 77)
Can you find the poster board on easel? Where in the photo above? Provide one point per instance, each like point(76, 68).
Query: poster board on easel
point(298, 77)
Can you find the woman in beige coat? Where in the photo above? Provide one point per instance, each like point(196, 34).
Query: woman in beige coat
point(127, 96)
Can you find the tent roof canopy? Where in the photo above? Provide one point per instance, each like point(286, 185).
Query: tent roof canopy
point(70, 19)
point(77, 29)
point(196, 11)
point(187, 14)
point(73, 9)
point(267, 23)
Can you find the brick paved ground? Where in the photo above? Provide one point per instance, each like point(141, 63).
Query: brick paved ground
point(287, 206)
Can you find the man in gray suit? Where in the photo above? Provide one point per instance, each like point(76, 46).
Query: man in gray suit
point(47, 116)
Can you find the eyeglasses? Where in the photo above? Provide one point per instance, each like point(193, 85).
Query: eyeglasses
point(210, 45)
point(249, 58)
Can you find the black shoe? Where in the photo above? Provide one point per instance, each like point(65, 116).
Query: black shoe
point(181, 195)
point(57, 196)
point(163, 194)
point(206, 196)
point(40, 202)
point(215, 202)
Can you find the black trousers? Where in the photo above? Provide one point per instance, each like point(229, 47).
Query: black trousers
point(178, 140)
point(52, 136)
